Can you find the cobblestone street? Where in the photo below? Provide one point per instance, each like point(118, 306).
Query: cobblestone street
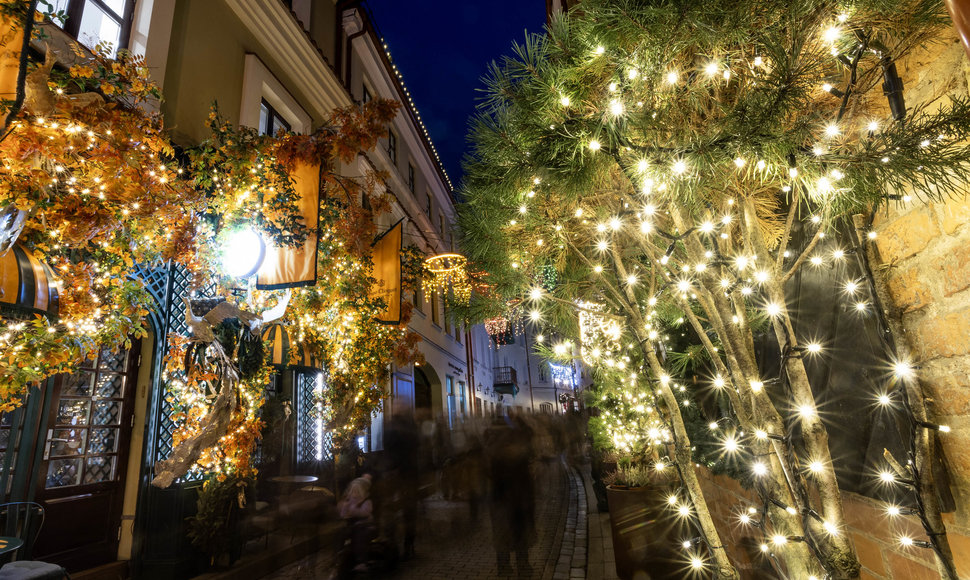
point(451, 545)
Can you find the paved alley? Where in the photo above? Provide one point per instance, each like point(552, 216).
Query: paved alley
point(451, 545)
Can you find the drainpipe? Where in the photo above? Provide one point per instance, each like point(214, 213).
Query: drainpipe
point(346, 47)
point(470, 363)
point(528, 365)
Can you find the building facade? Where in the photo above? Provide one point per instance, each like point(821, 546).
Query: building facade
point(270, 65)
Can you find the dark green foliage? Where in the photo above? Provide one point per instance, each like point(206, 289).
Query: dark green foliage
point(214, 529)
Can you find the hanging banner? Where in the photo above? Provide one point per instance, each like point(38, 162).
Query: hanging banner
point(289, 267)
point(387, 272)
point(11, 44)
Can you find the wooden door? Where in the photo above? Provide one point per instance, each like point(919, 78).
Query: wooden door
point(81, 477)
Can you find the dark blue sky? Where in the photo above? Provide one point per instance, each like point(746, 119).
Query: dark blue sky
point(443, 48)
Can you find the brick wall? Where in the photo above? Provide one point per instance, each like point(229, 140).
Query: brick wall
point(924, 248)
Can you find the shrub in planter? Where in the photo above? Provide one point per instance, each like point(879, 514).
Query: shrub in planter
point(215, 528)
point(645, 538)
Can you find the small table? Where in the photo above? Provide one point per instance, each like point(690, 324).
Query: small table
point(9, 544)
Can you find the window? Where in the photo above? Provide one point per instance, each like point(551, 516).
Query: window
point(458, 331)
point(392, 146)
point(97, 21)
point(441, 226)
point(428, 209)
point(313, 442)
point(461, 398)
point(452, 411)
point(411, 177)
point(270, 121)
point(543, 375)
point(435, 318)
point(418, 298)
point(365, 95)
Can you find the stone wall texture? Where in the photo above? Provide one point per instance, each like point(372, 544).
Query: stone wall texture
point(923, 247)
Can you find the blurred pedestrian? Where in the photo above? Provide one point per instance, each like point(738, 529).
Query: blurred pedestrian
point(357, 509)
point(403, 443)
point(509, 449)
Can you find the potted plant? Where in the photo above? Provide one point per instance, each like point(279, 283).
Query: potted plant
point(645, 535)
point(215, 529)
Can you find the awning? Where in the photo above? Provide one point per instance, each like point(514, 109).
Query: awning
point(284, 352)
point(26, 284)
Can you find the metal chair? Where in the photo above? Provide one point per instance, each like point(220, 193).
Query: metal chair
point(23, 521)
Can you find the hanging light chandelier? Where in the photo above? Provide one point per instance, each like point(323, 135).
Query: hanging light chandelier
point(448, 271)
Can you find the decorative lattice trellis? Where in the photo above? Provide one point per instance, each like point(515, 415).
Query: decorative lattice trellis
point(168, 284)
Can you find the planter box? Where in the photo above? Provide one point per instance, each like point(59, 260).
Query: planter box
point(646, 537)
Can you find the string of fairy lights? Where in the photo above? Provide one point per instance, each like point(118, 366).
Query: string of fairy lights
point(750, 279)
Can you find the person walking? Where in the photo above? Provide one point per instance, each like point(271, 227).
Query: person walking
point(509, 449)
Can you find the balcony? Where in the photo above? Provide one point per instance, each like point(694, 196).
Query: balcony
point(506, 381)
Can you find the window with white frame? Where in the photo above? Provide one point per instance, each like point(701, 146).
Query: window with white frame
point(392, 146)
point(266, 104)
point(270, 121)
point(95, 22)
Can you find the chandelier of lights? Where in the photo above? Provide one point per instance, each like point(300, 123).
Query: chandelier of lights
point(496, 326)
point(448, 271)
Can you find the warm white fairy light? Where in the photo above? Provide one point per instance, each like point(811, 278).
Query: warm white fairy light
point(616, 108)
point(887, 477)
point(759, 468)
point(772, 309)
point(902, 369)
point(816, 467)
point(679, 167)
point(594, 145)
point(672, 77)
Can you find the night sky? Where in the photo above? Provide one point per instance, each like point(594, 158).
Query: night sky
point(443, 48)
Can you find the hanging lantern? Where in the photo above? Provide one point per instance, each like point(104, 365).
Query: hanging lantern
point(26, 284)
point(284, 352)
point(448, 270)
point(496, 326)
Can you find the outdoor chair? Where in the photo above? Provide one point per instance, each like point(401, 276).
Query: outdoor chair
point(21, 522)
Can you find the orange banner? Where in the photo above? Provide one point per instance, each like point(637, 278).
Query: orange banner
point(387, 271)
point(11, 43)
point(288, 267)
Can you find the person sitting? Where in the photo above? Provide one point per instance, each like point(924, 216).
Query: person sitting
point(357, 508)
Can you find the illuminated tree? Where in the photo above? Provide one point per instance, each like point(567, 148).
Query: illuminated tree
point(659, 156)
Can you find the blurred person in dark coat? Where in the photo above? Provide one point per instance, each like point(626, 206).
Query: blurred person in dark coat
point(509, 451)
point(402, 442)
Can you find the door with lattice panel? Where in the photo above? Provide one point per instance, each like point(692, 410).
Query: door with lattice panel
point(81, 477)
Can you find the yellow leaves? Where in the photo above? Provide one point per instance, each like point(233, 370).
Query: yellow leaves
point(81, 71)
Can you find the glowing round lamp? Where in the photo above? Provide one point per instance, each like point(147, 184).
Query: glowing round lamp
point(243, 253)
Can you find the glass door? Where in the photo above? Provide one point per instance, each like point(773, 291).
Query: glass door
point(84, 459)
